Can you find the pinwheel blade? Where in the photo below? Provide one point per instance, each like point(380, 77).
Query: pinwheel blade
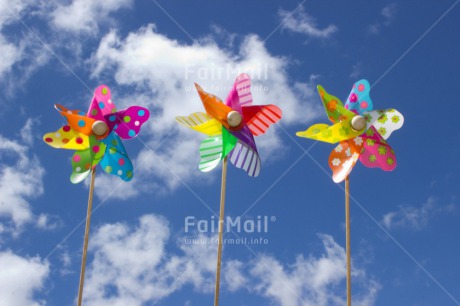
point(246, 158)
point(67, 138)
point(77, 119)
point(127, 123)
point(331, 134)
point(333, 106)
point(377, 153)
point(344, 157)
point(385, 121)
point(240, 95)
point(258, 118)
point(202, 123)
point(95, 110)
point(214, 106)
point(210, 153)
point(83, 161)
point(116, 160)
point(359, 99)
point(103, 99)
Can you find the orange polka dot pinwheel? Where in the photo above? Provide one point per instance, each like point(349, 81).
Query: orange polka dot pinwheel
point(360, 131)
point(96, 136)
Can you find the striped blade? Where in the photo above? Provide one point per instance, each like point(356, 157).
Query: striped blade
point(202, 123)
point(214, 148)
point(259, 117)
point(246, 158)
point(210, 153)
point(243, 88)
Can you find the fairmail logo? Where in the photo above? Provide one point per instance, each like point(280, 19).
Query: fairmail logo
point(259, 224)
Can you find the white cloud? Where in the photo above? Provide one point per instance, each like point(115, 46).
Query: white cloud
point(312, 281)
point(20, 278)
point(22, 54)
point(301, 22)
point(134, 265)
point(21, 179)
point(160, 73)
point(356, 70)
point(415, 217)
point(388, 14)
point(131, 266)
point(86, 15)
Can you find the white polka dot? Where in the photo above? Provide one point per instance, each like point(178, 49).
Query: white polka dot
point(57, 135)
point(110, 101)
point(69, 112)
point(120, 172)
point(78, 169)
point(136, 123)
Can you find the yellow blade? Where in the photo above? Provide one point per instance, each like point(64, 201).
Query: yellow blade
point(202, 123)
point(332, 134)
point(67, 138)
point(335, 110)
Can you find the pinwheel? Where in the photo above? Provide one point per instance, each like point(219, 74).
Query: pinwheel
point(361, 133)
point(230, 128)
point(96, 137)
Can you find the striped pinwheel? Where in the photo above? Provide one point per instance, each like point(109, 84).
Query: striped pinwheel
point(361, 131)
point(231, 127)
point(96, 136)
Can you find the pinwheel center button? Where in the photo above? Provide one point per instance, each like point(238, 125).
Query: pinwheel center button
point(358, 123)
point(99, 128)
point(234, 118)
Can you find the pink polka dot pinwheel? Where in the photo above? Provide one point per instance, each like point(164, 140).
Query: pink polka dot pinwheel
point(361, 131)
point(96, 136)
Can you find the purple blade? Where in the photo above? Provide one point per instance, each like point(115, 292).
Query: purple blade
point(245, 136)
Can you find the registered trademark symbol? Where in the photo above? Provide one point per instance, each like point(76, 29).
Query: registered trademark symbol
point(272, 218)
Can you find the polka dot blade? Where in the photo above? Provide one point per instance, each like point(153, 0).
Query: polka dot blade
point(116, 160)
point(103, 99)
point(66, 138)
point(128, 123)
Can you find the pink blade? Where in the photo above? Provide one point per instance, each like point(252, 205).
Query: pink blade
point(95, 111)
point(103, 97)
point(259, 117)
point(377, 152)
point(240, 95)
point(127, 123)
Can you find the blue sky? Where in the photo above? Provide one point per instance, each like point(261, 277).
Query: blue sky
point(405, 246)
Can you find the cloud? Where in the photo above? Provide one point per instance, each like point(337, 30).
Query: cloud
point(356, 70)
point(21, 179)
point(313, 280)
point(20, 278)
point(85, 16)
point(301, 22)
point(159, 73)
point(414, 217)
point(22, 54)
point(388, 14)
point(131, 266)
point(135, 265)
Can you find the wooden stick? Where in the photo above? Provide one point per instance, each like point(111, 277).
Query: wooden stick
point(347, 229)
point(221, 226)
point(85, 244)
